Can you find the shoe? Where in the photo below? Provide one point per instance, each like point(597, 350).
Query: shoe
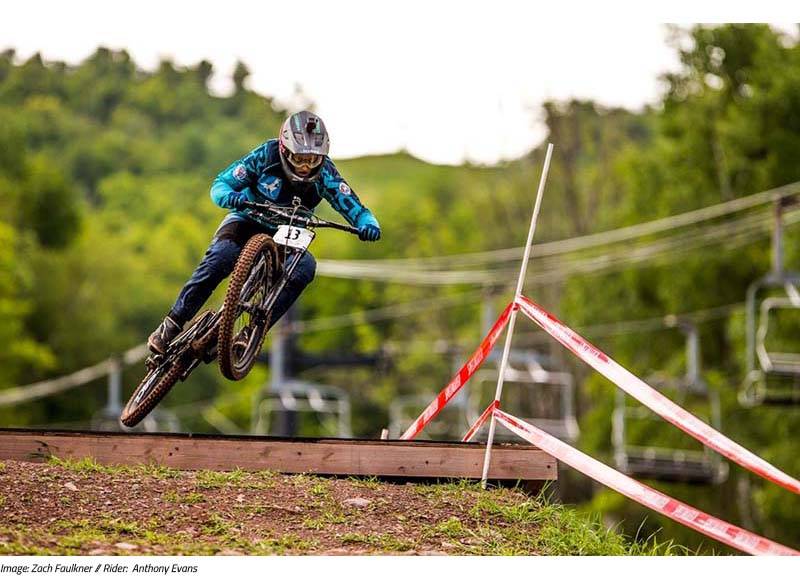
point(162, 336)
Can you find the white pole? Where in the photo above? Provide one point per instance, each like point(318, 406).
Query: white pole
point(510, 331)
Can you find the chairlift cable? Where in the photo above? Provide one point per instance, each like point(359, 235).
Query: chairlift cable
point(622, 234)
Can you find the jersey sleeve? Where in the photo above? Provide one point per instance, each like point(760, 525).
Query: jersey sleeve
point(238, 176)
point(344, 200)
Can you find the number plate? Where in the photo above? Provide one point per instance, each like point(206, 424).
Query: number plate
point(293, 236)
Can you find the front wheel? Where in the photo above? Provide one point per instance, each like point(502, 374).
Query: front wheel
point(154, 387)
point(243, 325)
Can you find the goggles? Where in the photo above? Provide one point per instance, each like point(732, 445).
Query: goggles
point(307, 160)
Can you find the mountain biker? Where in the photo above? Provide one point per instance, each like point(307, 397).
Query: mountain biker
point(296, 164)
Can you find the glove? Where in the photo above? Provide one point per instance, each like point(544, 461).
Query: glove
point(237, 200)
point(369, 233)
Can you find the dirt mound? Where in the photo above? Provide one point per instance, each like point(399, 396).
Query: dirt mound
point(85, 508)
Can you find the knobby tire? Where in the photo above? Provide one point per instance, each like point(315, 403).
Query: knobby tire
point(230, 365)
point(133, 413)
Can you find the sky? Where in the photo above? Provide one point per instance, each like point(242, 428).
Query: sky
point(447, 81)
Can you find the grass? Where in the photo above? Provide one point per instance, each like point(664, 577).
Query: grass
point(190, 498)
point(224, 533)
point(537, 526)
point(282, 545)
point(321, 489)
point(216, 525)
point(383, 542)
point(72, 537)
point(371, 482)
point(207, 479)
point(215, 479)
point(88, 465)
point(452, 528)
point(327, 519)
point(449, 491)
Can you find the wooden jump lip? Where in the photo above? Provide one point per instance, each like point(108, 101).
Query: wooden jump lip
point(257, 438)
point(363, 457)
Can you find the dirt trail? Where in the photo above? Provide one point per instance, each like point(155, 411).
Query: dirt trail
point(83, 508)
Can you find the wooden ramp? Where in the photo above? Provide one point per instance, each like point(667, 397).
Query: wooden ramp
point(407, 459)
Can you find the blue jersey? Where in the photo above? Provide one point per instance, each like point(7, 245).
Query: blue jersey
point(260, 175)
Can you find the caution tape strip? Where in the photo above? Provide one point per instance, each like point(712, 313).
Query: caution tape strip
point(463, 375)
point(682, 513)
point(481, 420)
point(651, 398)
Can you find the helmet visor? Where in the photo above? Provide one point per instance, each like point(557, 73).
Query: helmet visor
point(304, 163)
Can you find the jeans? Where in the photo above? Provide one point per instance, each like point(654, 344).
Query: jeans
point(219, 261)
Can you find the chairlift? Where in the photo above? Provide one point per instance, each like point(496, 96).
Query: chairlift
point(671, 464)
point(451, 422)
point(781, 369)
point(449, 425)
point(289, 407)
point(327, 408)
point(545, 398)
point(772, 378)
point(542, 397)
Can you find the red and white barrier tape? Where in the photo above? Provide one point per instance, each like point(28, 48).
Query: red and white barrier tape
point(682, 513)
point(463, 375)
point(481, 420)
point(651, 398)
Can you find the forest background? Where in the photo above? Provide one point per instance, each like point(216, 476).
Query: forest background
point(104, 212)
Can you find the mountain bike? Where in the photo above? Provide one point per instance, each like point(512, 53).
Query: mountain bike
point(235, 332)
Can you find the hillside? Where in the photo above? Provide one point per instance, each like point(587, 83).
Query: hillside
point(68, 508)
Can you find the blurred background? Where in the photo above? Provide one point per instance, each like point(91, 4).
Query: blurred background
point(112, 128)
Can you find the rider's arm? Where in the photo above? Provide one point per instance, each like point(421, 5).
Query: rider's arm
point(343, 199)
point(238, 176)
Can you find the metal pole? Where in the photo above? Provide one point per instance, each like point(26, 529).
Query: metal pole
point(750, 323)
point(114, 404)
point(510, 330)
point(277, 356)
point(777, 240)
point(692, 353)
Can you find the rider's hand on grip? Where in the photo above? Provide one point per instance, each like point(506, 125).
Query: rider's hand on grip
point(238, 200)
point(369, 233)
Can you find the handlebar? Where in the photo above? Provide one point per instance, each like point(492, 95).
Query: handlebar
point(285, 213)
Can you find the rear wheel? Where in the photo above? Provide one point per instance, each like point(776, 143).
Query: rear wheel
point(243, 326)
point(154, 387)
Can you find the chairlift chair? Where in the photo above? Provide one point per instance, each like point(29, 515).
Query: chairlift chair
point(449, 425)
point(760, 388)
point(315, 402)
point(541, 397)
point(772, 378)
point(665, 463)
